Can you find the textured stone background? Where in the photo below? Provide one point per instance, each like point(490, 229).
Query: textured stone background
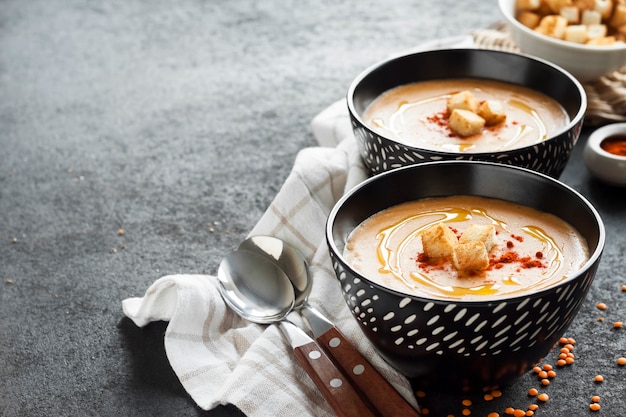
point(178, 122)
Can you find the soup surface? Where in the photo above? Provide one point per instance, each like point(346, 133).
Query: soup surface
point(533, 250)
point(415, 114)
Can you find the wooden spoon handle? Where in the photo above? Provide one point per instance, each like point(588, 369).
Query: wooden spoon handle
point(340, 394)
point(362, 374)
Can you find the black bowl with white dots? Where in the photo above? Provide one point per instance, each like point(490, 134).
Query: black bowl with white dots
point(454, 344)
point(550, 156)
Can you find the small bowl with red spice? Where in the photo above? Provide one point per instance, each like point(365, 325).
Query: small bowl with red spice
point(605, 154)
point(466, 104)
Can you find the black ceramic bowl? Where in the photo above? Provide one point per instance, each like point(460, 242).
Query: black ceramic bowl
point(550, 156)
point(463, 345)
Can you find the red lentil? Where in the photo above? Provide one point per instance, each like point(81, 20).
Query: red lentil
point(601, 306)
point(496, 393)
point(533, 392)
point(621, 361)
point(545, 382)
point(543, 397)
point(594, 407)
point(509, 410)
point(595, 398)
point(618, 324)
point(494, 414)
point(466, 403)
point(533, 407)
point(466, 412)
point(598, 378)
point(623, 287)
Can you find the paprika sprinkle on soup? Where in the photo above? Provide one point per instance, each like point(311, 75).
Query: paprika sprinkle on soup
point(615, 144)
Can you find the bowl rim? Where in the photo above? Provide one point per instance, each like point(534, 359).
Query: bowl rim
point(600, 134)
point(573, 46)
point(589, 263)
point(356, 82)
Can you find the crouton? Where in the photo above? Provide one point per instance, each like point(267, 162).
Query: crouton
point(471, 256)
point(557, 5)
point(463, 100)
point(590, 17)
point(439, 241)
point(552, 25)
point(605, 41)
point(576, 33)
point(596, 31)
point(492, 111)
point(480, 233)
point(529, 19)
point(619, 16)
point(571, 13)
point(605, 7)
point(527, 4)
point(465, 122)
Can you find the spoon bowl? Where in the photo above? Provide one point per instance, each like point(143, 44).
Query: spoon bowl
point(254, 288)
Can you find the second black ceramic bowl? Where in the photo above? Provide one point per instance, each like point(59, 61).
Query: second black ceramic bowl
point(381, 153)
point(463, 345)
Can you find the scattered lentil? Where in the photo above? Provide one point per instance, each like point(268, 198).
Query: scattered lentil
point(466, 412)
point(533, 392)
point(519, 413)
point(598, 378)
point(120, 232)
point(543, 397)
point(618, 324)
point(496, 393)
point(466, 402)
point(533, 407)
point(509, 410)
point(594, 407)
point(621, 361)
point(493, 414)
point(601, 306)
point(595, 399)
point(623, 287)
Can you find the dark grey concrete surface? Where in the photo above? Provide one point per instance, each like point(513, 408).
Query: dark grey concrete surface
point(178, 122)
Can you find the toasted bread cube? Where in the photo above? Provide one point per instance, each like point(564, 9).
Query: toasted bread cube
point(619, 16)
point(492, 111)
point(590, 17)
point(552, 25)
point(556, 5)
point(605, 41)
point(465, 122)
point(439, 241)
point(529, 19)
point(463, 100)
point(596, 31)
point(571, 13)
point(605, 7)
point(485, 233)
point(576, 33)
point(471, 256)
point(584, 4)
point(527, 4)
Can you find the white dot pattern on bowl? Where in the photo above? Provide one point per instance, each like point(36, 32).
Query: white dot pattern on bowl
point(380, 154)
point(455, 328)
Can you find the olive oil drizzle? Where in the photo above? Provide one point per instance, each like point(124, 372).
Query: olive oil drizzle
point(389, 254)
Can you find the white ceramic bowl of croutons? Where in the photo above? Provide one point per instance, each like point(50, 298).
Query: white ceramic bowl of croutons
point(584, 61)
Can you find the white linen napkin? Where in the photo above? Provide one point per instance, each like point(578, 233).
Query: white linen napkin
point(221, 358)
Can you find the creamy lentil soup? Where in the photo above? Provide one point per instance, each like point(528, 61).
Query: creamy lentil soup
point(533, 249)
point(415, 114)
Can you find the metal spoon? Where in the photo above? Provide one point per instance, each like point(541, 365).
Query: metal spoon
point(354, 365)
point(259, 291)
